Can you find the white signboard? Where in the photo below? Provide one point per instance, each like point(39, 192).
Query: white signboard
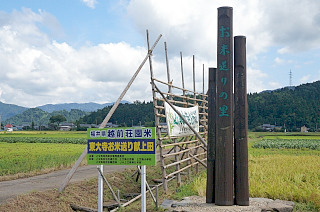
point(176, 126)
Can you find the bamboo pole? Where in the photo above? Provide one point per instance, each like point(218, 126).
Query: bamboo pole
point(184, 100)
point(194, 97)
point(157, 120)
point(139, 196)
point(176, 87)
point(185, 121)
point(170, 97)
point(107, 118)
point(108, 184)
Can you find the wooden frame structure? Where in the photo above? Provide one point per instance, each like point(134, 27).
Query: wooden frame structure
point(179, 152)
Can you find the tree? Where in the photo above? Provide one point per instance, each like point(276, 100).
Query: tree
point(57, 119)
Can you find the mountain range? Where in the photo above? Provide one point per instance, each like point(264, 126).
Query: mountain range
point(10, 110)
point(289, 108)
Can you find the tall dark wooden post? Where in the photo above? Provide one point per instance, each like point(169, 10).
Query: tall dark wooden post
point(224, 109)
point(210, 192)
point(241, 180)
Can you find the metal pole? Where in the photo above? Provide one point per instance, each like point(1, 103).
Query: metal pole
point(224, 110)
point(210, 192)
point(100, 189)
point(143, 189)
point(241, 179)
point(148, 187)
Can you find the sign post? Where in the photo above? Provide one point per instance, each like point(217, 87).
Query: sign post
point(241, 178)
point(224, 110)
point(100, 190)
point(122, 146)
point(143, 189)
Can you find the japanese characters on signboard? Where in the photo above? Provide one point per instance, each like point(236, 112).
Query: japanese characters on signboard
point(121, 146)
point(176, 125)
point(224, 75)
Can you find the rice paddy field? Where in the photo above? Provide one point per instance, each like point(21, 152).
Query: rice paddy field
point(28, 153)
point(281, 166)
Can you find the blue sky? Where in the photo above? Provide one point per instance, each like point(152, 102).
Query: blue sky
point(87, 50)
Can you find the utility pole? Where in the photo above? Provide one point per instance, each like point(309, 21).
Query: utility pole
point(290, 78)
point(0, 122)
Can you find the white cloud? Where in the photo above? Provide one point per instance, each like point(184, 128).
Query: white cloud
point(255, 81)
point(44, 71)
point(305, 79)
point(279, 61)
point(90, 3)
point(190, 26)
point(273, 85)
point(38, 70)
point(283, 50)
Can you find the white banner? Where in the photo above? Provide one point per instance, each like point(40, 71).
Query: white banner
point(176, 126)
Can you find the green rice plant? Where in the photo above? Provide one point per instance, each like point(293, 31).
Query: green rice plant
point(287, 174)
point(287, 177)
point(28, 157)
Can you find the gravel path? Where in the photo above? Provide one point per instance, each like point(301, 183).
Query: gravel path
point(198, 204)
point(12, 188)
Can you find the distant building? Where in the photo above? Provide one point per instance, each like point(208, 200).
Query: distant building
point(270, 127)
point(66, 126)
point(8, 128)
point(109, 124)
point(304, 129)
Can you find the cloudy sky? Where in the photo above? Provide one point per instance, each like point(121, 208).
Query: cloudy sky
point(87, 50)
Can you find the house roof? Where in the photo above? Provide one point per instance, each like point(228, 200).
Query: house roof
point(8, 126)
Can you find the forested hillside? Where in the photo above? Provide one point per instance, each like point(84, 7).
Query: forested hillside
point(125, 115)
point(40, 117)
point(291, 108)
point(87, 107)
point(10, 110)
